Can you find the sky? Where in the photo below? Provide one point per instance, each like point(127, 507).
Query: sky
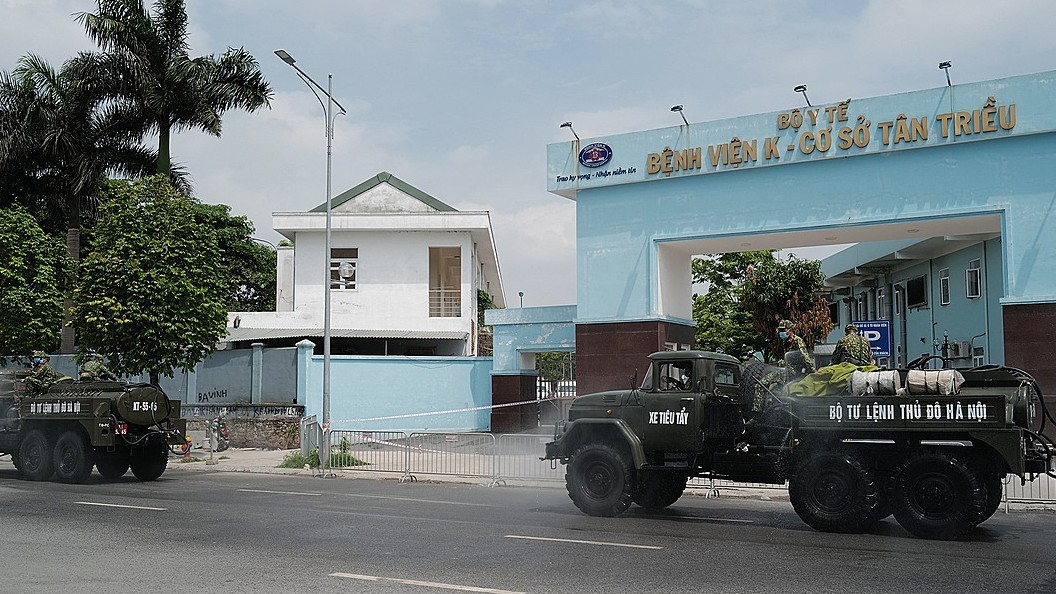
point(459, 98)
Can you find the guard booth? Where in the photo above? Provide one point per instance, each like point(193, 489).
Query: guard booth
point(937, 163)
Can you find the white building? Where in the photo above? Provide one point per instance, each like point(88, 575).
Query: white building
point(405, 271)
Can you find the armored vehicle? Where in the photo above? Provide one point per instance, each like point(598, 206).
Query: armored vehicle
point(78, 425)
point(934, 454)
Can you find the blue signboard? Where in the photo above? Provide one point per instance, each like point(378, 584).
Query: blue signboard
point(878, 333)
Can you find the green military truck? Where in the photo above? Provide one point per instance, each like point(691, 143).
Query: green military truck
point(78, 425)
point(935, 456)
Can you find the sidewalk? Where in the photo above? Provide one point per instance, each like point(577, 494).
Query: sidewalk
point(262, 461)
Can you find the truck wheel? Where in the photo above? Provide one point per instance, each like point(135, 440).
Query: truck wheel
point(995, 489)
point(73, 458)
point(600, 480)
point(112, 465)
point(148, 461)
point(835, 492)
point(16, 461)
point(35, 456)
point(657, 490)
point(938, 496)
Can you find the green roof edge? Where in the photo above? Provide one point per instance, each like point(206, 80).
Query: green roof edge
point(392, 180)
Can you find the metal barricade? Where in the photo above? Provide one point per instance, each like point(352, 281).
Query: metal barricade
point(460, 454)
point(517, 456)
point(1040, 490)
point(378, 451)
point(311, 435)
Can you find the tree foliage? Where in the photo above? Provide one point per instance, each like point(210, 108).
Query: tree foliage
point(249, 266)
point(145, 58)
point(33, 267)
point(749, 293)
point(787, 290)
point(723, 325)
point(59, 141)
point(152, 293)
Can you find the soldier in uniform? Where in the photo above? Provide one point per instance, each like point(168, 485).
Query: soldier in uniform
point(853, 348)
point(94, 369)
point(43, 375)
point(798, 363)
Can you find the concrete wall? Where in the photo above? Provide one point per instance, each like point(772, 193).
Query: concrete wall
point(365, 387)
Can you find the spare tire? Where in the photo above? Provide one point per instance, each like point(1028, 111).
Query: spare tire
point(752, 390)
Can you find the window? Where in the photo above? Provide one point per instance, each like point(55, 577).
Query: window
point(916, 292)
point(343, 264)
point(944, 286)
point(676, 376)
point(725, 375)
point(445, 282)
point(973, 280)
point(834, 312)
point(881, 305)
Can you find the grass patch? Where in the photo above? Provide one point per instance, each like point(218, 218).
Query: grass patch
point(186, 460)
point(298, 460)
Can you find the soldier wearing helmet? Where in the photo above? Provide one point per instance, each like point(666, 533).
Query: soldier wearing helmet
point(93, 369)
point(853, 348)
point(43, 375)
point(798, 361)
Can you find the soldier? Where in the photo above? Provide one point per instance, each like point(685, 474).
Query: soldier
point(853, 348)
point(43, 375)
point(94, 369)
point(798, 361)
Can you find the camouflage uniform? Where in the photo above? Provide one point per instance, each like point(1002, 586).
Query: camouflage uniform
point(94, 370)
point(43, 375)
point(853, 348)
point(798, 363)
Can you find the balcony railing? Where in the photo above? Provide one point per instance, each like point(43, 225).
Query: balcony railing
point(445, 303)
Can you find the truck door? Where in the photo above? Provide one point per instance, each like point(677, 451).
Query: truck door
point(672, 416)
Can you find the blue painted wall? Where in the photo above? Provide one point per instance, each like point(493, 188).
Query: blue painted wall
point(365, 387)
point(621, 219)
point(517, 333)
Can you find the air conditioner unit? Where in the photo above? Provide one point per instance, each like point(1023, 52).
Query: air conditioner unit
point(960, 350)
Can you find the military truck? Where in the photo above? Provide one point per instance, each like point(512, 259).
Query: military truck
point(78, 425)
point(934, 458)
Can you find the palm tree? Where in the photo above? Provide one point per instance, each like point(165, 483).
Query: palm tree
point(149, 70)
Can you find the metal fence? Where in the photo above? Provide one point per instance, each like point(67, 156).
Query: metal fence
point(497, 459)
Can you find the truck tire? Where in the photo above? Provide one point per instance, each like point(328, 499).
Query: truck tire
point(148, 461)
point(73, 457)
point(600, 480)
point(658, 489)
point(995, 489)
point(35, 456)
point(112, 465)
point(937, 495)
point(835, 492)
point(16, 461)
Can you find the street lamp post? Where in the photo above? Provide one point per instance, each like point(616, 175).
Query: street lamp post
point(328, 111)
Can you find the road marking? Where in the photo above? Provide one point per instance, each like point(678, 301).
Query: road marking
point(375, 578)
point(280, 492)
point(590, 542)
point(420, 500)
point(122, 506)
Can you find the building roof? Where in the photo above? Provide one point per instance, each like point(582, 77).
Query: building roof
point(383, 178)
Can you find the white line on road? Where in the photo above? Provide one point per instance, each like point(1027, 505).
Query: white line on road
point(590, 542)
point(280, 492)
point(419, 500)
point(375, 578)
point(122, 506)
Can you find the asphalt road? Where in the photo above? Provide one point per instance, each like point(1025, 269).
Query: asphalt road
point(234, 532)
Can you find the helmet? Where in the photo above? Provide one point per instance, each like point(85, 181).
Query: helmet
point(40, 354)
point(850, 328)
point(784, 324)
